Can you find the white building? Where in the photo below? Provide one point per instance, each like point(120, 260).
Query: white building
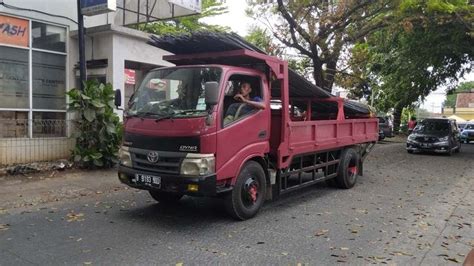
point(39, 63)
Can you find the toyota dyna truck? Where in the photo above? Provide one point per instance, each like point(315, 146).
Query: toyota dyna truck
point(186, 134)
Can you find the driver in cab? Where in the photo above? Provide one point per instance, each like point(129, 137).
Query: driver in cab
point(245, 103)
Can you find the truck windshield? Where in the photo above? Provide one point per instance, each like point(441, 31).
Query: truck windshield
point(173, 92)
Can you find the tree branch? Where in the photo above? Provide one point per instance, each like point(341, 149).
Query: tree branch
point(292, 22)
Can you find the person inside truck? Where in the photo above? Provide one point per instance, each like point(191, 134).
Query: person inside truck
point(155, 90)
point(244, 104)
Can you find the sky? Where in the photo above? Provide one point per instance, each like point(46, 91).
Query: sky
point(237, 20)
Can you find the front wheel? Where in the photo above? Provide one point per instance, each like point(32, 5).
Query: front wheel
point(248, 194)
point(458, 149)
point(348, 169)
point(165, 197)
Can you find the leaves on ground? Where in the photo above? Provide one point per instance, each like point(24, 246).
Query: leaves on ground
point(453, 259)
point(321, 232)
point(4, 227)
point(75, 217)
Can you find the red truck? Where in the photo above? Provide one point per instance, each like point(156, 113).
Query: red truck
point(186, 134)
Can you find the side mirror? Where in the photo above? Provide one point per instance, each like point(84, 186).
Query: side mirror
point(211, 93)
point(118, 98)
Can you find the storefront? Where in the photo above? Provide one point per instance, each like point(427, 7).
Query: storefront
point(33, 66)
point(38, 64)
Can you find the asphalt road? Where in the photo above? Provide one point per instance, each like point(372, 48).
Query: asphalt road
point(406, 209)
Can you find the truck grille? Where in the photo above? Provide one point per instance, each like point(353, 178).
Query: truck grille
point(168, 162)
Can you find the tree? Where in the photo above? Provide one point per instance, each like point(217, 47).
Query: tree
point(189, 24)
point(450, 101)
point(322, 30)
point(430, 47)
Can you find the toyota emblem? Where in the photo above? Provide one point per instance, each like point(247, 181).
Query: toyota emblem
point(152, 157)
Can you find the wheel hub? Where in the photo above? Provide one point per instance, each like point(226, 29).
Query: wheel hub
point(251, 190)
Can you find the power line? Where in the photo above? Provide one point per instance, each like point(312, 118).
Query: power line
point(36, 11)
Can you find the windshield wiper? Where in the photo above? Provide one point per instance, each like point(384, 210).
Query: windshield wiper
point(178, 113)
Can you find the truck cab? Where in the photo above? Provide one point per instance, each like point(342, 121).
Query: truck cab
point(183, 143)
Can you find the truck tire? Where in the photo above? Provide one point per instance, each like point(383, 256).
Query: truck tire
point(165, 197)
point(248, 194)
point(348, 169)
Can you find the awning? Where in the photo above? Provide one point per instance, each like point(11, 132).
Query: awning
point(457, 118)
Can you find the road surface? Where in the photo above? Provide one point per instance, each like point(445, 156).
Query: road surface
point(406, 209)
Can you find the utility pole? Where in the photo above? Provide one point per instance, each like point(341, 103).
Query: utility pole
point(82, 58)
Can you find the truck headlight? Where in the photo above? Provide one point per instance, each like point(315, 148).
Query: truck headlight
point(124, 156)
point(198, 164)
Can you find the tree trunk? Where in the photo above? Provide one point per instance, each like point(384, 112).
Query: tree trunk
point(330, 75)
point(397, 117)
point(318, 74)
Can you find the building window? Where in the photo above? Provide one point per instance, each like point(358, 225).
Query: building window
point(48, 37)
point(49, 124)
point(38, 72)
point(49, 81)
point(14, 86)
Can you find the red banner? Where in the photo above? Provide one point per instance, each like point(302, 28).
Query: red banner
point(130, 76)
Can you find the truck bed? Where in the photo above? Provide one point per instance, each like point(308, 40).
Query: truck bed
point(314, 136)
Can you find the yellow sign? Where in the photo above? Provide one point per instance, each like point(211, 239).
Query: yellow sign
point(14, 31)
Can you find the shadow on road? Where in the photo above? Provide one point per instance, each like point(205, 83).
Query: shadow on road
point(193, 212)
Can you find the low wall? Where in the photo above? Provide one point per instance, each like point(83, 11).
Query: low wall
point(27, 150)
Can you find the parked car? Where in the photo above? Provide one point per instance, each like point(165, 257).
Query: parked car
point(438, 135)
point(467, 134)
point(385, 126)
point(462, 125)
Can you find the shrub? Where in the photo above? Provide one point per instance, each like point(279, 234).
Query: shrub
point(99, 130)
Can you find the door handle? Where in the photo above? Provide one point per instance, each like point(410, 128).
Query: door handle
point(262, 134)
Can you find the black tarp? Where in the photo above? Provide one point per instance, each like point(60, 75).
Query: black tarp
point(206, 42)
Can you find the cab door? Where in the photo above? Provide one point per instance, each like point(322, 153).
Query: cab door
point(247, 134)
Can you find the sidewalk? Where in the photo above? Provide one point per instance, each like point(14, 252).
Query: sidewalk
point(30, 190)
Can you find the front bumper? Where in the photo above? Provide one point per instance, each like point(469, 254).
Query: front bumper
point(428, 147)
point(207, 185)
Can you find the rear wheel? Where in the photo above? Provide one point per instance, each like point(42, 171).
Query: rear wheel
point(248, 194)
point(409, 151)
point(348, 170)
point(165, 197)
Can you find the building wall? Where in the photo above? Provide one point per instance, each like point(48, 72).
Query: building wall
point(15, 151)
point(465, 113)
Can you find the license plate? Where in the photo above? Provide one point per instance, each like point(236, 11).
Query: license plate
point(424, 145)
point(148, 180)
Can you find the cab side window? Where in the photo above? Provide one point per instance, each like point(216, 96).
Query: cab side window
point(236, 87)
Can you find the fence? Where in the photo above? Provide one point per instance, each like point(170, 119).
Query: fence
point(25, 141)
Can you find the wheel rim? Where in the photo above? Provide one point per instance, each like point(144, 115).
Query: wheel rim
point(250, 192)
point(352, 170)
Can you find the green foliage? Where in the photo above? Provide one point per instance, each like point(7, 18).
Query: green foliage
point(263, 40)
point(189, 24)
point(99, 130)
point(427, 46)
point(450, 101)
